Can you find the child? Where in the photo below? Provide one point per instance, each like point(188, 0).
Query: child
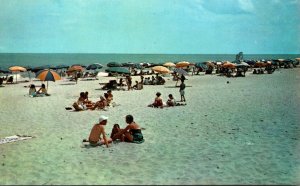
point(115, 130)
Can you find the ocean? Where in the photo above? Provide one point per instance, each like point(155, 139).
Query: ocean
point(39, 59)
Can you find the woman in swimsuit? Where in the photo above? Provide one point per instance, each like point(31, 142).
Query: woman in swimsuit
point(132, 133)
point(157, 101)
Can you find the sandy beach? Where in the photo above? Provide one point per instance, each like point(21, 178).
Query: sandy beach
point(242, 132)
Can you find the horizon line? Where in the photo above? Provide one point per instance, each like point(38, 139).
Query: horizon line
point(147, 53)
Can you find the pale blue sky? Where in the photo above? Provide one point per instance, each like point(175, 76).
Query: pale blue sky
point(150, 26)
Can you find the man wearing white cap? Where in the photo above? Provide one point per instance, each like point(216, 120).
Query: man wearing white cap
point(97, 131)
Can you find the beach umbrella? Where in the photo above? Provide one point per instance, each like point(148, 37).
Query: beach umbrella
point(120, 70)
point(62, 66)
point(161, 69)
point(38, 68)
point(94, 66)
point(229, 65)
point(182, 64)
point(242, 64)
point(180, 71)
point(169, 64)
point(17, 69)
point(209, 64)
point(79, 65)
point(47, 75)
point(113, 64)
point(75, 68)
point(259, 64)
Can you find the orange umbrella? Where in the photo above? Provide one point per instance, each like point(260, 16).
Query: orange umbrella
point(169, 64)
point(228, 65)
point(75, 68)
point(17, 69)
point(47, 75)
point(182, 64)
point(161, 69)
point(259, 64)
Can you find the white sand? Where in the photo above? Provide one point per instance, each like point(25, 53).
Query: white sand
point(244, 132)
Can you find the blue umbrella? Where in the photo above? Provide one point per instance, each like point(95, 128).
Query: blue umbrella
point(180, 71)
point(61, 66)
point(113, 64)
point(36, 69)
point(94, 66)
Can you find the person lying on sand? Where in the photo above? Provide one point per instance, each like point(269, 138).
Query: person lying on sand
point(132, 133)
point(157, 101)
point(96, 132)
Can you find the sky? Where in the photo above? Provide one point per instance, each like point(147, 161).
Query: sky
point(150, 26)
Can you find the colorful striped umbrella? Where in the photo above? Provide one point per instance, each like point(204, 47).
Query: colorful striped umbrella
point(47, 75)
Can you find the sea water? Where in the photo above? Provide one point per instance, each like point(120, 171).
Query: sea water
point(39, 59)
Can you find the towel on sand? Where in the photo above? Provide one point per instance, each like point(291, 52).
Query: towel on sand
point(14, 138)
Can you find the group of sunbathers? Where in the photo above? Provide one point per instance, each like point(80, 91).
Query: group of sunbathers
point(158, 102)
point(83, 102)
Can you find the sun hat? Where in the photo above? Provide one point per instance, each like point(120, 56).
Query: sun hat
point(102, 118)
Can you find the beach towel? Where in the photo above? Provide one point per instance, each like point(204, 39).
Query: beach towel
point(14, 138)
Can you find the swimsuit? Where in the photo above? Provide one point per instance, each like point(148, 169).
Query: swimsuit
point(137, 136)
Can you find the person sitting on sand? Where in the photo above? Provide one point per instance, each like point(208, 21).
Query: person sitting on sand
point(101, 104)
point(79, 104)
point(96, 132)
point(157, 101)
point(132, 132)
point(110, 95)
point(171, 101)
point(116, 128)
point(32, 90)
point(42, 91)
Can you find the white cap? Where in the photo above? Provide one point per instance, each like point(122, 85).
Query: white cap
point(102, 118)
